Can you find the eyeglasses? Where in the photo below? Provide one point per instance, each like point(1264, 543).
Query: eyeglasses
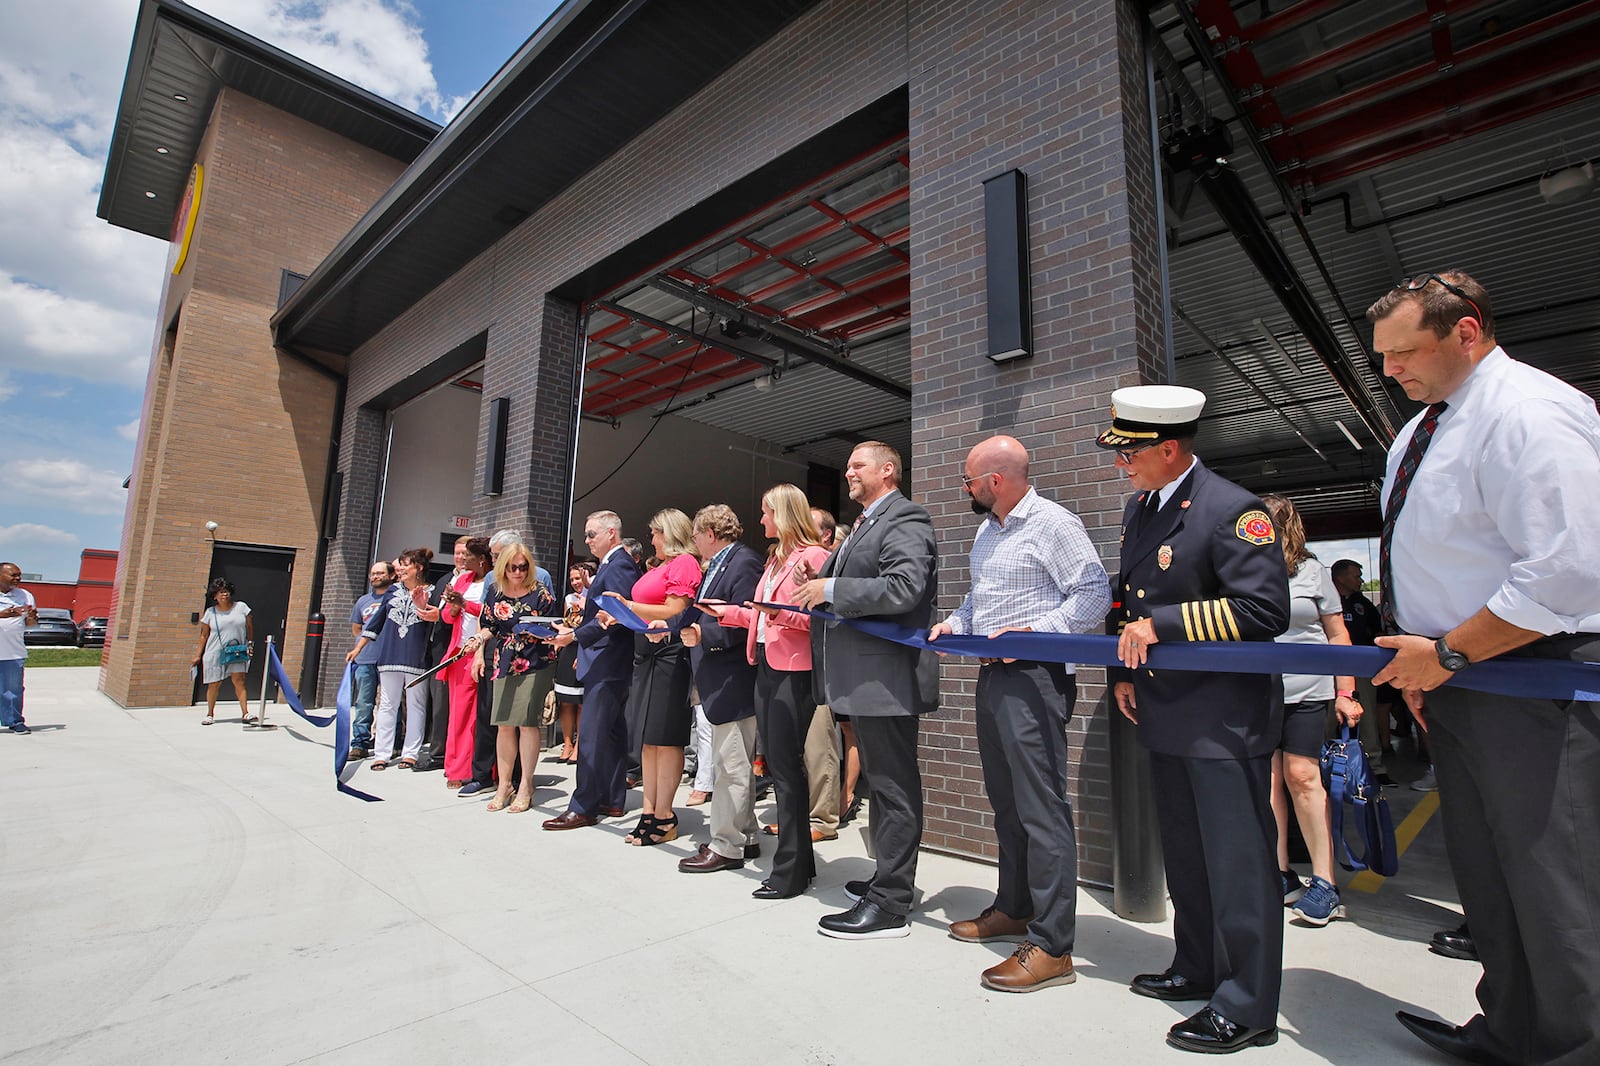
point(966, 482)
point(523, 567)
point(1125, 455)
point(1422, 281)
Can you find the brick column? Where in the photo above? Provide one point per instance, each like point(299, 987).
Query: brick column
point(345, 580)
point(532, 359)
point(1058, 92)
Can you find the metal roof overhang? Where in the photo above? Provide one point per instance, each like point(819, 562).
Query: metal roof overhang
point(594, 76)
point(180, 60)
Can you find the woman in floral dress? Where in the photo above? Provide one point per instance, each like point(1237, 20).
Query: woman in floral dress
point(522, 668)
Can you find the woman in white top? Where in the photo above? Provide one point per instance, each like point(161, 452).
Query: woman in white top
point(227, 621)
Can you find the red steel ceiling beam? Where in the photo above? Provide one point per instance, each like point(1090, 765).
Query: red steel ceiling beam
point(818, 271)
point(1434, 21)
point(1240, 63)
point(881, 298)
point(800, 240)
point(1530, 104)
point(1288, 19)
point(1547, 72)
point(1568, 21)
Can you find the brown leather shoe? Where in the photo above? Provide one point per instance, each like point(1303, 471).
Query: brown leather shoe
point(613, 812)
point(708, 862)
point(569, 820)
point(1029, 969)
point(989, 926)
point(818, 836)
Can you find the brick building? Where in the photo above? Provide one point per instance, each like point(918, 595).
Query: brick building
point(90, 595)
point(677, 251)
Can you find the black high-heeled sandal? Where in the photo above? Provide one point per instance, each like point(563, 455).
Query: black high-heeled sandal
point(637, 835)
point(660, 831)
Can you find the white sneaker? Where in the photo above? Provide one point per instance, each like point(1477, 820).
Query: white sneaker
point(1426, 783)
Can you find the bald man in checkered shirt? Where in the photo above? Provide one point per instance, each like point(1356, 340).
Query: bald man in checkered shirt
point(1033, 568)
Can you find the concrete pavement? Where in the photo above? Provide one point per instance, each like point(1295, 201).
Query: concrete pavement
point(182, 894)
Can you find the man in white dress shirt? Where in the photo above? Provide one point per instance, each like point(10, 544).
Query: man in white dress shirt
point(1491, 537)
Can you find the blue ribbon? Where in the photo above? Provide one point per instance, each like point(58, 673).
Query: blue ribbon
point(340, 719)
point(618, 608)
point(1547, 679)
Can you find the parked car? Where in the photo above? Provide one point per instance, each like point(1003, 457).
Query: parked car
point(92, 631)
point(55, 627)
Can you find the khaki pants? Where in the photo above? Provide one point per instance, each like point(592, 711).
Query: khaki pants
point(822, 771)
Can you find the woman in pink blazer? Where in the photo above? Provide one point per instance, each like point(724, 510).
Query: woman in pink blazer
point(778, 643)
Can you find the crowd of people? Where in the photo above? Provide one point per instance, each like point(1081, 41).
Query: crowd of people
point(1486, 558)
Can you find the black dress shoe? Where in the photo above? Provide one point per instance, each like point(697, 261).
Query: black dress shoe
point(1170, 985)
point(1455, 944)
point(857, 890)
point(865, 921)
point(766, 891)
point(848, 815)
point(1450, 1039)
point(1210, 1033)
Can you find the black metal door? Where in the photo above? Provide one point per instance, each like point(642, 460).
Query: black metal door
point(261, 575)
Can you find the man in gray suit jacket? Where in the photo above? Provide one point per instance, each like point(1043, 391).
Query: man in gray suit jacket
point(886, 569)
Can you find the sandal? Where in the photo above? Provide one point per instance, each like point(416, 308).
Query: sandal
point(379, 765)
point(209, 719)
point(520, 804)
point(645, 826)
point(408, 764)
point(499, 803)
point(248, 719)
point(660, 832)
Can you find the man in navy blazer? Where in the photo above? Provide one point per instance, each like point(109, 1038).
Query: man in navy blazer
point(605, 666)
point(726, 682)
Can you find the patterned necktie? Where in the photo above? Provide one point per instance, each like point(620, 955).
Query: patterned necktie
point(1397, 498)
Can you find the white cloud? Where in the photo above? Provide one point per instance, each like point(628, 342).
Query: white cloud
point(129, 430)
point(68, 483)
point(66, 335)
point(8, 388)
point(30, 533)
point(378, 46)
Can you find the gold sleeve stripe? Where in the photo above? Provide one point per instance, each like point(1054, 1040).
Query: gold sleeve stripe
point(1233, 626)
point(1188, 621)
point(1214, 609)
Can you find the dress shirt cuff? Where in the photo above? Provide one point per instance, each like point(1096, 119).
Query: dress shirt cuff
point(1517, 608)
point(957, 626)
point(827, 589)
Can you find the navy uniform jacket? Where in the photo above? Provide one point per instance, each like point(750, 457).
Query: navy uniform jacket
point(606, 654)
point(1208, 567)
point(723, 676)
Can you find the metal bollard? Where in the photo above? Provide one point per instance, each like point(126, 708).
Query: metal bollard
point(311, 666)
point(1139, 890)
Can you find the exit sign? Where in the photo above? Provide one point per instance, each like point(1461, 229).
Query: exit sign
point(461, 521)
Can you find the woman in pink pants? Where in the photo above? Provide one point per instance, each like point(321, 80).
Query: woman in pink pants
point(463, 602)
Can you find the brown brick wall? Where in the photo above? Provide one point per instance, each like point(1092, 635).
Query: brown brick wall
point(1056, 91)
point(237, 432)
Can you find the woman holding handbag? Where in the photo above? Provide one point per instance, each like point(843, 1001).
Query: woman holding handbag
point(778, 645)
point(226, 636)
point(1316, 616)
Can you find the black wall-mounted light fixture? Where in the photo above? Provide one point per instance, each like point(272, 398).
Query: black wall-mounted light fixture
point(494, 463)
point(1010, 301)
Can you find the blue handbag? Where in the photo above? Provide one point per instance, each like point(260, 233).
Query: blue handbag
point(1350, 780)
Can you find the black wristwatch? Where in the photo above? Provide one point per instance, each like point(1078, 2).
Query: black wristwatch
point(1450, 660)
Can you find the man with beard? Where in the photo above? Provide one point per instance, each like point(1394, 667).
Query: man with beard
point(364, 676)
point(1033, 568)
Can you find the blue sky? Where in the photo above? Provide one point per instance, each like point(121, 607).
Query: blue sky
point(77, 297)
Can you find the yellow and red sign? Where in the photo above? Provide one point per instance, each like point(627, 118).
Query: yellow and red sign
point(188, 211)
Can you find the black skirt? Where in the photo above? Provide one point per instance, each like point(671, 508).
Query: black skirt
point(659, 696)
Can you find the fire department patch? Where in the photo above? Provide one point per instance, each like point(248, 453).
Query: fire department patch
point(1164, 556)
point(1254, 527)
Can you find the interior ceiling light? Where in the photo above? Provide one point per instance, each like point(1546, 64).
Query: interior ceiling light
point(1567, 185)
point(160, 150)
point(149, 195)
point(182, 99)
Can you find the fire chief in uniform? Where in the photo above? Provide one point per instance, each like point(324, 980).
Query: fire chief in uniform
point(1200, 562)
